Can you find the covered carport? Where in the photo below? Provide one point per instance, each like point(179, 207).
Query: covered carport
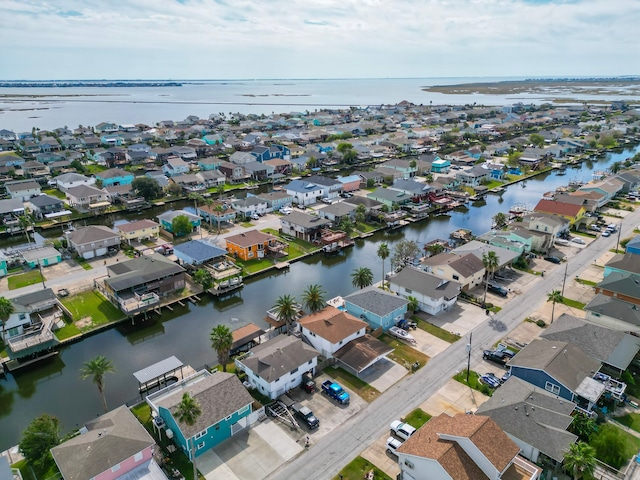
point(361, 353)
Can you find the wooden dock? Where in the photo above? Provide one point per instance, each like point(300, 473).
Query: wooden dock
point(282, 265)
point(217, 292)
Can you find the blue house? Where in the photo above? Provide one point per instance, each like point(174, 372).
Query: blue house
point(112, 140)
point(3, 266)
point(44, 257)
point(561, 369)
point(209, 163)
point(623, 263)
point(115, 176)
point(440, 165)
point(197, 252)
point(165, 219)
point(378, 308)
point(226, 406)
point(261, 153)
point(634, 245)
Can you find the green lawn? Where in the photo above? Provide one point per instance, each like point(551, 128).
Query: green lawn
point(366, 227)
point(493, 184)
point(92, 304)
point(572, 303)
point(83, 263)
point(25, 279)
point(473, 381)
point(93, 168)
point(30, 472)
point(403, 353)
point(436, 331)
point(586, 282)
point(363, 389)
point(631, 442)
point(631, 420)
point(54, 192)
point(417, 418)
point(358, 468)
point(254, 266)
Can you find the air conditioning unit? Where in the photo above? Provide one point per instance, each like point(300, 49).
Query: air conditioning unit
point(169, 433)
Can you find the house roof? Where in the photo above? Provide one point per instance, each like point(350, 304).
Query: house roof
point(434, 440)
point(91, 234)
point(21, 185)
point(389, 194)
point(533, 416)
point(332, 324)
point(624, 283)
point(137, 225)
point(44, 201)
point(249, 238)
point(11, 205)
point(200, 250)
point(425, 283)
point(245, 334)
point(83, 191)
point(338, 209)
point(376, 301)
point(558, 208)
point(71, 177)
point(628, 262)
point(479, 249)
point(563, 361)
point(465, 264)
point(114, 173)
point(614, 308)
point(110, 439)
point(305, 220)
point(137, 271)
point(171, 214)
point(303, 186)
point(278, 356)
point(322, 180)
point(39, 253)
point(31, 301)
point(361, 352)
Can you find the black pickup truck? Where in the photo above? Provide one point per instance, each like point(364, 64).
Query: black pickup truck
point(305, 415)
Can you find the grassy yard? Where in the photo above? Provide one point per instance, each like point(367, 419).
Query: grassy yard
point(493, 184)
point(365, 227)
point(436, 331)
point(358, 468)
point(417, 418)
point(54, 192)
point(403, 353)
point(473, 382)
point(253, 266)
point(92, 304)
point(631, 443)
point(83, 263)
point(363, 389)
point(631, 420)
point(93, 168)
point(29, 472)
point(25, 279)
point(586, 282)
point(572, 303)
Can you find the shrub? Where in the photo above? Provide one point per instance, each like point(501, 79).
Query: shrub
point(541, 323)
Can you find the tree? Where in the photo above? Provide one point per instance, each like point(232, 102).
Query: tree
point(344, 147)
point(556, 297)
point(187, 412)
point(181, 225)
point(383, 253)
point(209, 202)
point(362, 277)
point(361, 212)
point(174, 189)
point(313, 298)
point(610, 446)
point(221, 341)
point(196, 197)
point(77, 164)
point(434, 249)
point(219, 209)
point(413, 305)
point(616, 167)
point(350, 156)
point(583, 426)
point(346, 225)
point(580, 460)
point(203, 277)
point(491, 262)
point(96, 368)
point(6, 309)
point(25, 223)
point(403, 252)
point(500, 219)
point(146, 187)
point(42, 434)
point(537, 140)
point(286, 310)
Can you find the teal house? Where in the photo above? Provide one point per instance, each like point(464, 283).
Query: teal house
point(115, 176)
point(3, 266)
point(378, 308)
point(166, 219)
point(209, 163)
point(440, 165)
point(42, 257)
point(226, 409)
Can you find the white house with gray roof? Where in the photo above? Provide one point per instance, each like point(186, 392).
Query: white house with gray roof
point(434, 295)
point(337, 211)
point(68, 180)
point(304, 192)
point(304, 226)
point(92, 241)
point(380, 309)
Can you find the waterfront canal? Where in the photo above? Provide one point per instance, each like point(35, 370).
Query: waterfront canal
point(54, 386)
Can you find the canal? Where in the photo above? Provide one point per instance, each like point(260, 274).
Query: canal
point(54, 386)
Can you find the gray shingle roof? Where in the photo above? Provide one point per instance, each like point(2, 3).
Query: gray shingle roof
point(376, 301)
point(628, 262)
point(425, 283)
point(278, 356)
point(614, 308)
point(90, 234)
point(141, 270)
point(200, 250)
point(622, 283)
point(305, 220)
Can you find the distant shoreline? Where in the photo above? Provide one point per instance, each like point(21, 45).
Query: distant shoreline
point(76, 84)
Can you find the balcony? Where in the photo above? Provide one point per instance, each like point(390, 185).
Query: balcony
point(521, 469)
point(135, 302)
point(38, 334)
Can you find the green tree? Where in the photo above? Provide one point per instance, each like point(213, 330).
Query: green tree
point(403, 252)
point(500, 219)
point(434, 249)
point(344, 147)
point(491, 263)
point(146, 187)
point(219, 210)
point(556, 297)
point(77, 164)
point(616, 167)
point(313, 298)
point(6, 309)
point(583, 426)
point(537, 140)
point(361, 212)
point(610, 446)
point(97, 368)
point(580, 460)
point(383, 253)
point(25, 222)
point(174, 189)
point(362, 277)
point(222, 341)
point(197, 198)
point(181, 225)
point(413, 305)
point(42, 434)
point(203, 277)
point(346, 225)
point(286, 310)
point(187, 412)
point(350, 156)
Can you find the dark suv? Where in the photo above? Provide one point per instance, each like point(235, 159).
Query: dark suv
point(497, 289)
point(496, 357)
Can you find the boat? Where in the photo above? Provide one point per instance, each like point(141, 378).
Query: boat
point(401, 334)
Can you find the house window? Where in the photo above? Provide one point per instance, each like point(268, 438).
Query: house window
point(293, 371)
point(200, 445)
point(309, 362)
point(244, 409)
point(552, 387)
point(115, 468)
point(407, 290)
point(456, 277)
point(137, 457)
point(22, 316)
point(200, 434)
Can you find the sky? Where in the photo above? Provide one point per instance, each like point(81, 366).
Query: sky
point(231, 39)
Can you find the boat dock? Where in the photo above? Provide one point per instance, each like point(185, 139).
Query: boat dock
point(161, 374)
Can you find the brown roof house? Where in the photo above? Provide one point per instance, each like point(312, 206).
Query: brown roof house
point(466, 269)
point(462, 447)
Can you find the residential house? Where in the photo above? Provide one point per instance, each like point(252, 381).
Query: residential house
point(241, 158)
point(41, 257)
point(278, 167)
point(571, 212)
point(7, 135)
point(167, 217)
point(4, 269)
point(11, 209)
point(276, 200)
point(623, 286)
point(402, 165)
point(139, 230)
point(69, 180)
point(187, 154)
point(114, 176)
point(380, 309)
point(48, 158)
point(23, 189)
point(608, 187)
point(474, 176)
point(250, 205)
point(633, 246)
point(234, 173)
point(462, 447)
point(112, 140)
point(114, 446)
point(218, 212)
point(105, 127)
point(138, 284)
point(549, 225)
point(623, 263)
point(329, 329)
point(304, 226)
point(212, 178)
point(92, 241)
point(418, 190)
point(532, 418)
point(84, 197)
point(331, 188)
point(440, 165)
point(190, 182)
point(505, 256)
point(258, 171)
point(209, 163)
point(388, 174)
point(250, 245)
point(175, 166)
point(35, 170)
point(390, 197)
point(337, 211)
point(49, 144)
point(278, 365)
point(433, 294)
point(350, 183)
point(613, 313)
point(160, 177)
point(517, 239)
point(304, 192)
point(198, 252)
point(466, 269)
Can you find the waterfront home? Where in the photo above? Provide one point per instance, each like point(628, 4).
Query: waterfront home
point(11, 160)
point(69, 180)
point(166, 219)
point(304, 226)
point(139, 230)
point(588, 200)
point(190, 182)
point(198, 252)
point(403, 166)
point(433, 294)
point(466, 269)
point(516, 239)
point(49, 144)
point(627, 262)
point(464, 447)
point(350, 183)
point(41, 257)
point(241, 158)
point(479, 249)
point(138, 284)
point(337, 211)
point(92, 241)
point(304, 192)
point(251, 244)
point(111, 140)
point(329, 329)
point(216, 213)
point(85, 197)
point(175, 166)
point(278, 167)
point(389, 196)
point(212, 178)
point(7, 135)
point(160, 177)
point(11, 209)
point(114, 176)
point(213, 139)
point(35, 170)
point(608, 187)
point(4, 269)
point(276, 200)
point(473, 176)
point(278, 364)
point(372, 207)
point(226, 410)
point(209, 163)
point(23, 189)
point(234, 173)
point(569, 211)
point(534, 419)
point(48, 158)
point(623, 286)
point(246, 207)
point(418, 190)
point(547, 224)
point(114, 446)
point(633, 247)
point(105, 127)
point(380, 309)
point(187, 154)
point(258, 171)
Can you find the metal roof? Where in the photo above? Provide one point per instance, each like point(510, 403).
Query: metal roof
point(159, 369)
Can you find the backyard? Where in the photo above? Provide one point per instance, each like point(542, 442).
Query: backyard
point(88, 310)
point(25, 279)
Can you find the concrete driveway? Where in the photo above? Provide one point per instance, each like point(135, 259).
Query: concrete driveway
point(460, 319)
point(384, 373)
point(453, 398)
point(377, 454)
point(429, 344)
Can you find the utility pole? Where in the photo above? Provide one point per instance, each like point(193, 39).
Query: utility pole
point(469, 356)
point(619, 232)
point(564, 280)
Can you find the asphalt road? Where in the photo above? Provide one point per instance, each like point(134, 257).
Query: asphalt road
point(331, 453)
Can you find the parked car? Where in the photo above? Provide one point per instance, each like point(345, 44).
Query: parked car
point(494, 377)
point(308, 385)
point(489, 381)
point(506, 376)
point(286, 210)
point(305, 415)
point(63, 292)
point(393, 444)
point(606, 233)
point(497, 357)
point(335, 391)
point(255, 216)
point(562, 241)
point(497, 289)
point(402, 430)
point(577, 240)
point(594, 228)
point(553, 259)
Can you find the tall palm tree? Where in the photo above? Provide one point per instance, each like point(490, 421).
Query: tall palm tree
point(221, 341)
point(208, 202)
point(413, 305)
point(6, 309)
point(313, 298)
point(196, 197)
point(362, 277)
point(25, 222)
point(580, 459)
point(383, 253)
point(96, 368)
point(556, 297)
point(491, 262)
point(187, 412)
point(286, 310)
point(434, 249)
point(219, 209)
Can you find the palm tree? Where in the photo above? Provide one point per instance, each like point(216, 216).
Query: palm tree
point(96, 368)
point(25, 222)
point(583, 426)
point(208, 202)
point(413, 305)
point(313, 298)
point(580, 460)
point(556, 297)
point(221, 341)
point(286, 310)
point(203, 277)
point(500, 219)
point(219, 209)
point(616, 167)
point(188, 411)
point(362, 277)
point(196, 197)
point(434, 249)
point(491, 262)
point(6, 309)
point(383, 253)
